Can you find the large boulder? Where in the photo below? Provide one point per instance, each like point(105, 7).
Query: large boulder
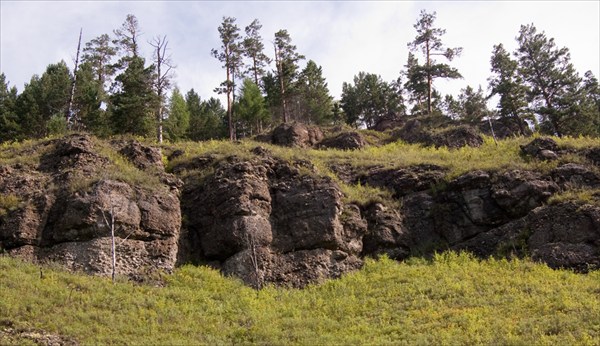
point(344, 141)
point(141, 156)
point(542, 148)
point(296, 135)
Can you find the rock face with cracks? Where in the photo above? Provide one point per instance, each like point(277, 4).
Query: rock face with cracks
point(56, 222)
point(263, 221)
point(269, 220)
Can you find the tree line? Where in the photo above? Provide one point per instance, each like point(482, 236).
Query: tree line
point(114, 90)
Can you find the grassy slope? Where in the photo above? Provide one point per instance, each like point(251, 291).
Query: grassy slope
point(453, 299)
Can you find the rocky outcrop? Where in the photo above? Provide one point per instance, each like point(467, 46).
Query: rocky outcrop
point(262, 220)
point(269, 220)
point(452, 137)
point(566, 235)
point(141, 156)
point(344, 141)
point(296, 135)
point(505, 128)
point(541, 148)
point(68, 208)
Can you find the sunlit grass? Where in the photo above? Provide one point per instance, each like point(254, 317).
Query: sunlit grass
point(453, 299)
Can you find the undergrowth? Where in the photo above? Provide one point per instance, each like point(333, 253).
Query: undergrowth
point(451, 299)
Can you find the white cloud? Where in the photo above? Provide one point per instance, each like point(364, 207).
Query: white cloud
point(343, 37)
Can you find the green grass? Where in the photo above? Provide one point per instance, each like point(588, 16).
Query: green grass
point(452, 299)
point(490, 156)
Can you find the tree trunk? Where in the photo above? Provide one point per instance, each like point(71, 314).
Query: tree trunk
point(113, 250)
point(282, 84)
point(229, 104)
point(159, 129)
point(429, 79)
point(69, 116)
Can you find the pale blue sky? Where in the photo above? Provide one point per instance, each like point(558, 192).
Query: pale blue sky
point(343, 37)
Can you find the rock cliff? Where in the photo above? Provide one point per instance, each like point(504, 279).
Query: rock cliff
point(266, 219)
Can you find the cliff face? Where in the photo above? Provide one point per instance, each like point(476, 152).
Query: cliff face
point(269, 220)
point(58, 220)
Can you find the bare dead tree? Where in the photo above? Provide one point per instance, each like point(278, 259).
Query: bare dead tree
point(70, 117)
point(111, 225)
point(254, 261)
point(164, 74)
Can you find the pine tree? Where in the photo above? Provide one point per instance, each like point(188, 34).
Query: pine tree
point(9, 126)
point(251, 107)
point(286, 60)
point(472, 106)
point(254, 50)
point(230, 55)
point(89, 99)
point(550, 76)
point(369, 100)
point(315, 100)
point(428, 39)
point(510, 87)
point(207, 118)
point(134, 104)
point(43, 98)
point(99, 53)
point(416, 85)
point(127, 39)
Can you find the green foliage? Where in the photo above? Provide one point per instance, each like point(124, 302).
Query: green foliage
point(42, 98)
point(88, 99)
point(369, 99)
point(429, 41)
point(471, 106)
point(251, 109)
point(57, 125)
point(552, 80)
point(254, 50)
point(316, 104)
point(8, 203)
point(132, 107)
point(207, 118)
point(286, 63)
point(452, 299)
point(9, 120)
point(178, 121)
point(509, 86)
point(230, 55)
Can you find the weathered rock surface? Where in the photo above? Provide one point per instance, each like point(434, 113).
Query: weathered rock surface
point(296, 135)
point(541, 148)
point(141, 156)
point(453, 137)
point(269, 220)
point(60, 222)
point(264, 211)
point(344, 141)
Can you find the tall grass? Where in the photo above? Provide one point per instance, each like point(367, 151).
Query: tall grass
point(452, 299)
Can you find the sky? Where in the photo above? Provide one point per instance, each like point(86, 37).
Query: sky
point(344, 38)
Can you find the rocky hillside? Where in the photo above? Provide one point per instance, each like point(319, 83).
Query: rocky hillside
point(286, 211)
